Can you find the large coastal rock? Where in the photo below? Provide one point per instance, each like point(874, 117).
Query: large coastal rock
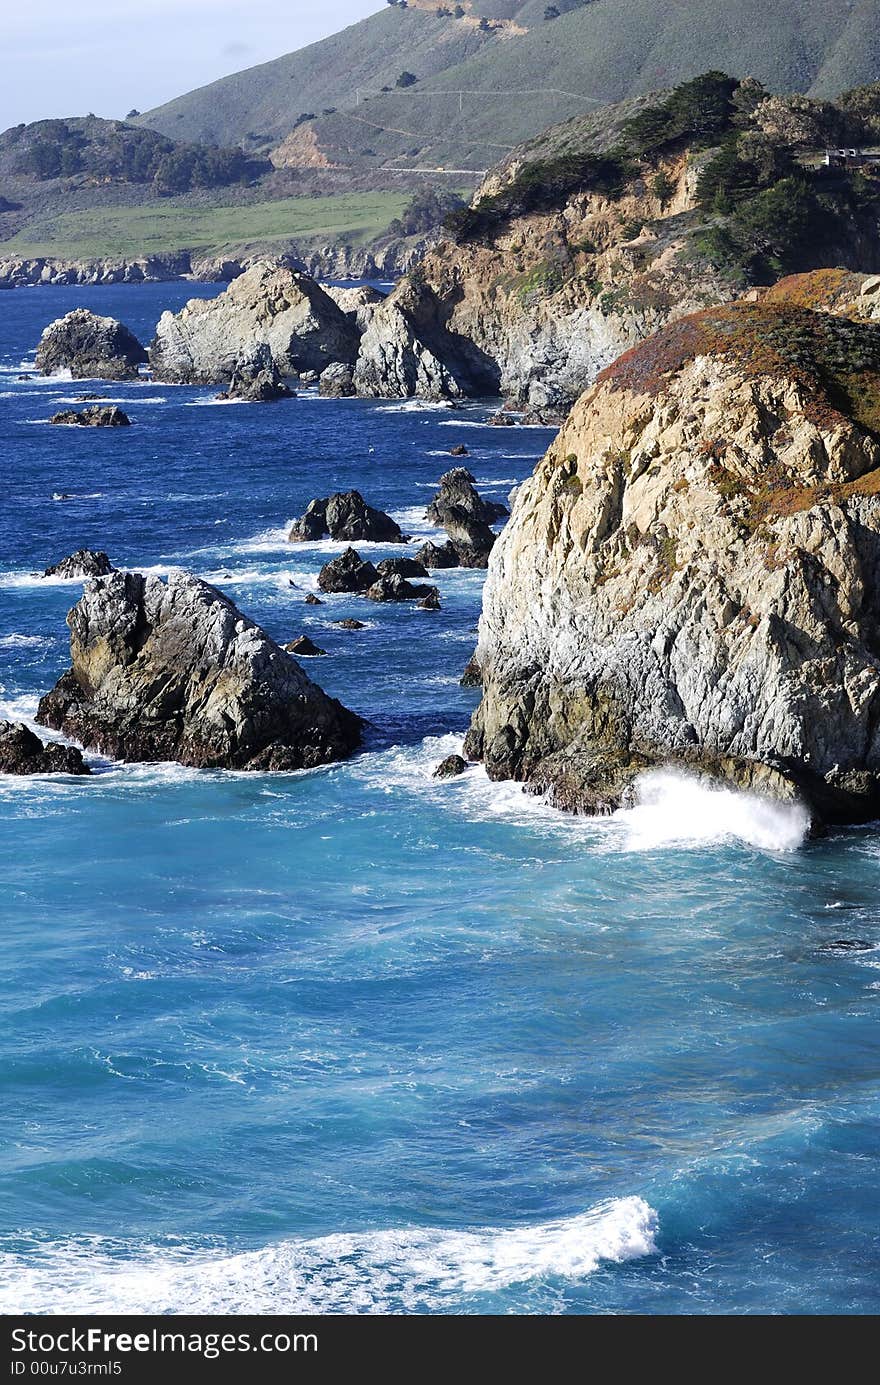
point(89, 347)
point(406, 350)
point(173, 671)
point(21, 752)
point(348, 572)
point(268, 306)
point(692, 574)
point(345, 516)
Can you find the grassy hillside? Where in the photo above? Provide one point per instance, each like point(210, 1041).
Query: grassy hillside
point(128, 232)
point(260, 105)
point(515, 84)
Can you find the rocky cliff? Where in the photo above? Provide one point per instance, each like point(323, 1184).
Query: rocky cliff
point(692, 574)
point(590, 238)
point(173, 671)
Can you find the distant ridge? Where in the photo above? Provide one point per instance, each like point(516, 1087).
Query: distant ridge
point(480, 92)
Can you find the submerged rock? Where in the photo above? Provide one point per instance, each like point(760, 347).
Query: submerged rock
point(431, 602)
point(346, 516)
point(347, 573)
point(451, 767)
point(21, 752)
point(692, 574)
point(85, 562)
point(459, 450)
point(304, 646)
point(312, 600)
point(90, 347)
point(501, 420)
point(268, 307)
point(173, 671)
point(350, 624)
point(96, 416)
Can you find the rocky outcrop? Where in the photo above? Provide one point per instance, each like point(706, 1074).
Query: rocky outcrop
point(255, 379)
point(85, 562)
point(304, 646)
point(268, 306)
point(173, 671)
point(21, 752)
point(433, 555)
point(348, 517)
point(451, 767)
point(358, 304)
point(466, 516)
point(336, 382)
point(350, 624)
point(842, 292)
point(406, 350)
point(393, 587)
point(347, 573)
point(89, 347)
point(401, 567)
point(692, 574)
point(96, 416)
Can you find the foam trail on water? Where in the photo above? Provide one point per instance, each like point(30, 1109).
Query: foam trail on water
point(405, 1269)
point(676, 809)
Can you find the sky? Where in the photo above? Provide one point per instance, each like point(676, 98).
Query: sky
point(70, 57)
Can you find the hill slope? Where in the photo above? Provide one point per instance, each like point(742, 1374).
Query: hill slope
point(515, 79)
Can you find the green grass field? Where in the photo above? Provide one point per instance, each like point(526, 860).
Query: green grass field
point(127, 232)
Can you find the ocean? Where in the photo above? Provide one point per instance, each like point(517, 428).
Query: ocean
point(357, 1040)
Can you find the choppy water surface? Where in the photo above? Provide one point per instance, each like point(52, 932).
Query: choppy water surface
point(358, 1040)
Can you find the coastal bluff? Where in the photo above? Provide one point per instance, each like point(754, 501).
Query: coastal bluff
point(691, 576)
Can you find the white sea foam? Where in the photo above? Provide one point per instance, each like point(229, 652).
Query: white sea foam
point(676, 809)
point(17, 641)
point(414, 406)
point(408, 1269)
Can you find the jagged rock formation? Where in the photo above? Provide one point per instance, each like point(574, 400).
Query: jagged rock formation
point(85, 562)
point(21, 752)
point(407, 349)
point(347, 573)
point(268, 306)
point(173, 671)
point(358, 304)
point(466, 517)
point(692, 574)
point(96, 416)
point(90, 347)
point(348, 517)
point(255, 378)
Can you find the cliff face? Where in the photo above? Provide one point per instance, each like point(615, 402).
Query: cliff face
point(692, 574)
point(537, 311)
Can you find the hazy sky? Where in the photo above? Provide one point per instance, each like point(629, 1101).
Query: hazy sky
point(68, 57)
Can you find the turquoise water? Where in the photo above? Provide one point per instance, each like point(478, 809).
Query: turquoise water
point(356, 1040)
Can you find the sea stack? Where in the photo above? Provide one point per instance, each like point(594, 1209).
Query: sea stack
point(174, 671)
point(90, 347)
point(692, 574)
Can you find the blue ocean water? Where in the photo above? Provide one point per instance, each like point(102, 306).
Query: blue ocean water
point(357, 1040)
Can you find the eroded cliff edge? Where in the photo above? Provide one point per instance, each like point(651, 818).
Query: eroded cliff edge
point(692, 574)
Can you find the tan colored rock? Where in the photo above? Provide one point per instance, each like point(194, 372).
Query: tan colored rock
point(692, 574)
